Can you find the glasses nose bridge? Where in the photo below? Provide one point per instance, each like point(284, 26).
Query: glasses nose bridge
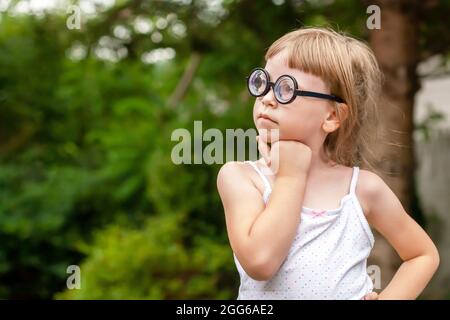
point(271, 87)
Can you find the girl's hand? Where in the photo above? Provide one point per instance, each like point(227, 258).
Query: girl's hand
point(370, 296)
point(285, 157)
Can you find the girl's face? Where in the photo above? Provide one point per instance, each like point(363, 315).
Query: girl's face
point(303, 118)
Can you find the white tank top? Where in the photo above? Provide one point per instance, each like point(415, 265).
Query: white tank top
point(327, 258)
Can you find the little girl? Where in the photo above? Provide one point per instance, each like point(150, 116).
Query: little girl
point(313, 99)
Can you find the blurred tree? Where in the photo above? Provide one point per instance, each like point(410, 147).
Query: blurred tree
point(410, 33)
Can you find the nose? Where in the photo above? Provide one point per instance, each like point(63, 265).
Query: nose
point(269, 99)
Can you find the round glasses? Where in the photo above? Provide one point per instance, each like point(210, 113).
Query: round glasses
point(285, 88)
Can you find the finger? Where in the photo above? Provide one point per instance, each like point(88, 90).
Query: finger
point(371, 296)
point(263, 149)
point(269, 136)
point(274, 136)
point(263, 135)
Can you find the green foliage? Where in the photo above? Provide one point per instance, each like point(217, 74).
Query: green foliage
point(87, 145)
point(154, 262)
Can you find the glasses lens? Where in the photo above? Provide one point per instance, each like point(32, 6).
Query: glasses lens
point(257, 83)
point(284, 89)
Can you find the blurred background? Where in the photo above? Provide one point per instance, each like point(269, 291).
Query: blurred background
point(91, 91)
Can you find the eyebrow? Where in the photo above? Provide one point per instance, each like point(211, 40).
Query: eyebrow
point(299, 85)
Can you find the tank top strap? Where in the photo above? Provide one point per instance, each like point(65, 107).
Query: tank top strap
point(354, 180)
point(263, 177)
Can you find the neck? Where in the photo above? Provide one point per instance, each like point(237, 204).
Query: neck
point(319, 159)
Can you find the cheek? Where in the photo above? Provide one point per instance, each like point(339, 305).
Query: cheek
point(255, 110)
point(301, 123)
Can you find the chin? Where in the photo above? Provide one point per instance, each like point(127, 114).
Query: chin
point(270, 134)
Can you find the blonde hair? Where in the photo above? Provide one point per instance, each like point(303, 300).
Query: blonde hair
point(349, 68)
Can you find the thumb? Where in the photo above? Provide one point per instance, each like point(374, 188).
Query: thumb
point(263, 149)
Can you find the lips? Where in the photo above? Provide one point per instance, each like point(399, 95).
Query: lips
point(267, 117)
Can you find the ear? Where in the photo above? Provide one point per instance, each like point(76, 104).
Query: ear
point(335, 117)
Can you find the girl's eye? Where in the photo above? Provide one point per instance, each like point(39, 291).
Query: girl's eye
point(285, 89)
point(258, 83)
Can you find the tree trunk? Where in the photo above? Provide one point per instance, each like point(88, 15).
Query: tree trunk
point(396, 47)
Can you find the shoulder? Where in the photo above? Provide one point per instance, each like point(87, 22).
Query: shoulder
point(369, 188)
point(231, 173)
point(231, 168)
point(237, 188)
point(370, 182)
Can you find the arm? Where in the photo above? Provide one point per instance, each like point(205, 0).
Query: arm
point(260, 236)
point(420, 256)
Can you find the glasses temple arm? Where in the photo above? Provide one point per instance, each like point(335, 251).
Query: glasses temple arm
point(319, 95)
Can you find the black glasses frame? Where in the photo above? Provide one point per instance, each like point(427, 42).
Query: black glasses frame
point(297, 92)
